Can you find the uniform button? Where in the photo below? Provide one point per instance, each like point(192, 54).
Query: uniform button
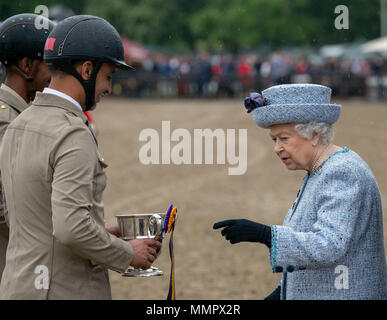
point(290, 268)
point(278, 269)
point(3, 107)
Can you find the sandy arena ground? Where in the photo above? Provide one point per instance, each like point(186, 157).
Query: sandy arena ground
point(207, 266)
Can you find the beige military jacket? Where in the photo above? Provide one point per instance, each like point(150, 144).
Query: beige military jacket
point(11, 105)
point(53, 178)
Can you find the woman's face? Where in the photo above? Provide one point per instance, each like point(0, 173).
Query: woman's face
point(295, 152)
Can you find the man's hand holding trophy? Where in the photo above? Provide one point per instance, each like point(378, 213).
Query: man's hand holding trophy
point(145, 232)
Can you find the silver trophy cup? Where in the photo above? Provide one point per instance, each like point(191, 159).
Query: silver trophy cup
point(141, 226)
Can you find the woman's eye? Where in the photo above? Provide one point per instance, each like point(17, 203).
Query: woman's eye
point(284, 138)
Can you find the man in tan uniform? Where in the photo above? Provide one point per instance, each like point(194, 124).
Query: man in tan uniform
point(54, 176)
point(21, 52)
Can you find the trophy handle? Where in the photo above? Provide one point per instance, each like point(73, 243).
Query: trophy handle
point(155, 219)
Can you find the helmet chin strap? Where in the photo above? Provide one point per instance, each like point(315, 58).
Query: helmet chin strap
point(88, 85)
point(31, 91)
point(20, 72)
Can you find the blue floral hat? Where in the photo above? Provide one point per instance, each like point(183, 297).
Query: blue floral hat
point(292, 103)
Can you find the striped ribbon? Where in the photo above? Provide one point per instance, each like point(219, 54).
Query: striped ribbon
point(171, 292)
point(169, 227)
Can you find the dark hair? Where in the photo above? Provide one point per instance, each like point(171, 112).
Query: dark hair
point(57, 67)
point(14, 62)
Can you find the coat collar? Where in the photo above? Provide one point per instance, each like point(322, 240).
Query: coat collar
point(52, 100)
point(55, 101)
point(12, 98)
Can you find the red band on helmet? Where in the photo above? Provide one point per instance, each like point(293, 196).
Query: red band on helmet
point(49, 44)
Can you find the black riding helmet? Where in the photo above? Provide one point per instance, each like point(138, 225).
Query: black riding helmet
point(88, 38)
point(23, 35)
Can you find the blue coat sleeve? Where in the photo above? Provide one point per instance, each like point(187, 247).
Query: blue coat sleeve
point(342, 196)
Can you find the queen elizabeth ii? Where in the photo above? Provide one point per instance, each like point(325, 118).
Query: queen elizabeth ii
point(335, 226)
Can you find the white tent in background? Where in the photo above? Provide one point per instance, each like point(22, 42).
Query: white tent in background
point(332, 51)
point(376, 46)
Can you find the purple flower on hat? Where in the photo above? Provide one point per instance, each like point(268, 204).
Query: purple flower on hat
point(255, 100)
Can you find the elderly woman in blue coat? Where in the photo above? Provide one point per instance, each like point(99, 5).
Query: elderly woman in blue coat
point(330, 245)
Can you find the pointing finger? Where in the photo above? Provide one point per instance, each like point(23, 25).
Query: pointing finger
point(224, 223)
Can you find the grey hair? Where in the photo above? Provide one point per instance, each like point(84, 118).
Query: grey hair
point(324, 130)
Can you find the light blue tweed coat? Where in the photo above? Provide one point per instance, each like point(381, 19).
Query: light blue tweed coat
point(330, 245)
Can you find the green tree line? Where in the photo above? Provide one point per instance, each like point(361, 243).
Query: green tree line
point(224, 25)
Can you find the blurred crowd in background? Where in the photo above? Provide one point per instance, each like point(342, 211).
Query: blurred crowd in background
point(225, 75)
point(205, 75)
point(355, 66)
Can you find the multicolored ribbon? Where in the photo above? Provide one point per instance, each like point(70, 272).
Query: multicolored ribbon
point(169, 226)
point(171, 292)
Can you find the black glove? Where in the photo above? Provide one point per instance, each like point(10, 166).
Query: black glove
point(275, 295)
point(245, 230)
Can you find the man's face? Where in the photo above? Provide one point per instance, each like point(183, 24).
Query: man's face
point(103, 84)
point(41, 75)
